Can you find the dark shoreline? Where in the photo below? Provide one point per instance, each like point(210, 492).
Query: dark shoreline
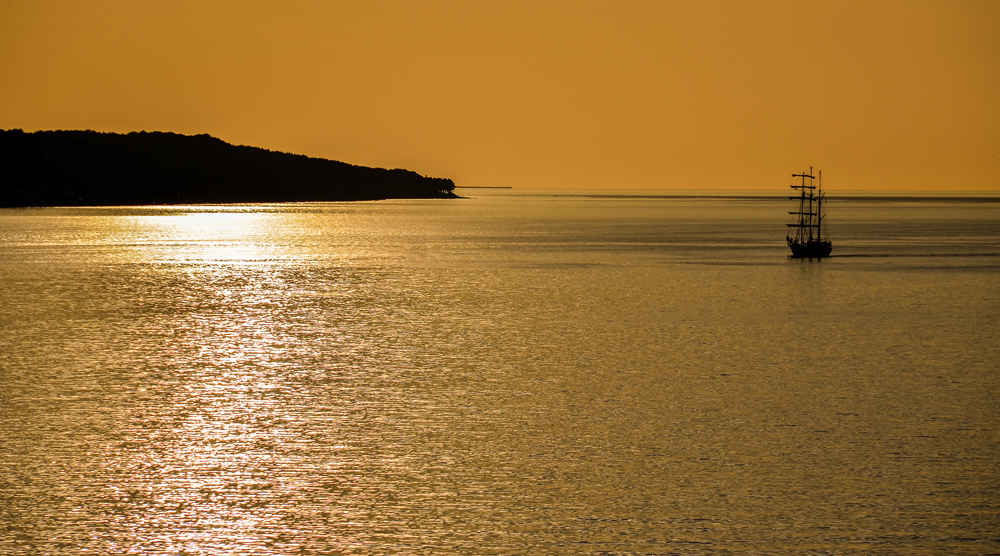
point(89, 168)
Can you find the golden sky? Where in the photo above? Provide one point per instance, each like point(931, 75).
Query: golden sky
point(536, 94)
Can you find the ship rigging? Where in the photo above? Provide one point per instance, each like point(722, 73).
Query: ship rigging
point(807, 240)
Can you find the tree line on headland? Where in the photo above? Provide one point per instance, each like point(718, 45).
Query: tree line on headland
point(89, 168)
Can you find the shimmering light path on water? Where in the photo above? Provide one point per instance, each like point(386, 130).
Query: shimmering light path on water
point(507, 374)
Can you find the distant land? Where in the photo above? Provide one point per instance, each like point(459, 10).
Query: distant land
point(90, 168)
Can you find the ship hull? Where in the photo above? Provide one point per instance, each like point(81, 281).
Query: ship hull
point(810, 249)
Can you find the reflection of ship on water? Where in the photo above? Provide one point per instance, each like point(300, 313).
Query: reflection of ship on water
point(807, 241)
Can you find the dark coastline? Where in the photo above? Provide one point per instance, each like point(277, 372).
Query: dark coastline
point(89, 168)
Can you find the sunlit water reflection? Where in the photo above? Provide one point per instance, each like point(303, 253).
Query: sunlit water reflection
point(512, 373)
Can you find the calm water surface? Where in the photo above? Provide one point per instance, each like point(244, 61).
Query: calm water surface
point(512, 373)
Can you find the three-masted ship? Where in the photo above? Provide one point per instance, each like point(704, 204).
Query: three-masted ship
point(807, 241)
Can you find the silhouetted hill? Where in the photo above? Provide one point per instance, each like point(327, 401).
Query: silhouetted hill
point(80, 168)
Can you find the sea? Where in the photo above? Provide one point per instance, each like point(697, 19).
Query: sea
point(512, 372)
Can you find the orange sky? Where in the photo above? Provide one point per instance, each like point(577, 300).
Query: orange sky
point(536, 94)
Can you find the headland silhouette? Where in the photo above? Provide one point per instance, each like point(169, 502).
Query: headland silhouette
point(90, 168)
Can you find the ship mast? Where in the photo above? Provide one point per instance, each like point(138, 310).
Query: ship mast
point(819, 209)
point(805, 225)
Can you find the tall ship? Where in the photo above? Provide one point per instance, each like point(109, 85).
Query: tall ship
point(807, 241)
